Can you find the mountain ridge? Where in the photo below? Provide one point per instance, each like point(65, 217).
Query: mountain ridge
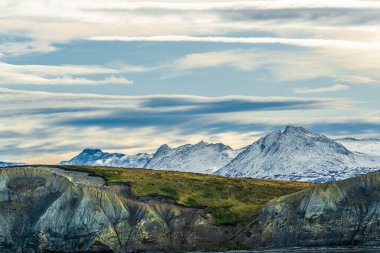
point(294, 153)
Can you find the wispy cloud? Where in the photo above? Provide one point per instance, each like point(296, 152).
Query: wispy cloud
point(11, 74)
point(212, 5)
point(329, 89)
point(289, 65)
point(46, 23)
point(245, 40)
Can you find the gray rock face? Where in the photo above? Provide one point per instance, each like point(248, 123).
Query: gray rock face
point(344, 213)
point(48, 210)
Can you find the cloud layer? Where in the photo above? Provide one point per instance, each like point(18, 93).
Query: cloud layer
point(157, 57)
point(55, 126)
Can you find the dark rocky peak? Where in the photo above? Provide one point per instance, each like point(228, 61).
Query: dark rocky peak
point(296, 129)
point(91, 151)
point(163, 149)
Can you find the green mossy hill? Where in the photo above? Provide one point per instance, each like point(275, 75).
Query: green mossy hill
point(229, 200)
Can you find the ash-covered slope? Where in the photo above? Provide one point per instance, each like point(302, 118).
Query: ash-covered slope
point(298, 154)
point(344, 213)
point(46, 209)
point(97, 157)
point(201, 157)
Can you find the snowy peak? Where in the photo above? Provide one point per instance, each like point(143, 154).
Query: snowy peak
point(96, 157)
point(162, 150)
point(201, 157)
point(295, 154)
point(296, 130)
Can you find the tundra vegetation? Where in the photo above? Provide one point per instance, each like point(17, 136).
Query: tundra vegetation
point(229, 200)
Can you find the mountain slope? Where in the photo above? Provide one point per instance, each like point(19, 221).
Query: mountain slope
point(298, 154)
point(201, 157)
point(97, 157)
point(369, 146)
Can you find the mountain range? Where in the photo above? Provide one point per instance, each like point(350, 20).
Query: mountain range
point(8, 164)
point(292, 154)
point(97, 157)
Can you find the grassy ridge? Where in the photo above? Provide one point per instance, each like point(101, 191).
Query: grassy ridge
point(228, 199)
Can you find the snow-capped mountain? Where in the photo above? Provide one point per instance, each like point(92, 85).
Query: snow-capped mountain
point(97, 157)
point(8, 164)
point(369, 146)
point(298, 154)
point(201, 157)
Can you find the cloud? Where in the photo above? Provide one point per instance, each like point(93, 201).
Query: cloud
point(329, 89)
point(53, 127)
point(44, 24)
point(302, 42)
point(236, 59)
point(11, 74)
point(288, 65)
point(235, 5)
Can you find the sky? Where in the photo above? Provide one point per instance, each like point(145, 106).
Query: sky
point(129, 76)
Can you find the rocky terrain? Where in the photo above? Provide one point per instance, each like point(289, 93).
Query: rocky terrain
point(44, 209)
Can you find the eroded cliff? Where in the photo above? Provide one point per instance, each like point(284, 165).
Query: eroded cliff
point(46, 209)
point(344, 213)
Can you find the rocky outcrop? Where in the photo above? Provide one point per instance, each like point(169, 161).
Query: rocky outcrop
point(344, 213)
point(46, 209)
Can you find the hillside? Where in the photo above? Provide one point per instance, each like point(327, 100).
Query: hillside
point(228, 199)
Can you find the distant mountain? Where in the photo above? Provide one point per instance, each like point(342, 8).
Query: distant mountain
point(369, 146)
point(7, 164)
point(97, 157)
point(298, 154)
point(201, 157)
